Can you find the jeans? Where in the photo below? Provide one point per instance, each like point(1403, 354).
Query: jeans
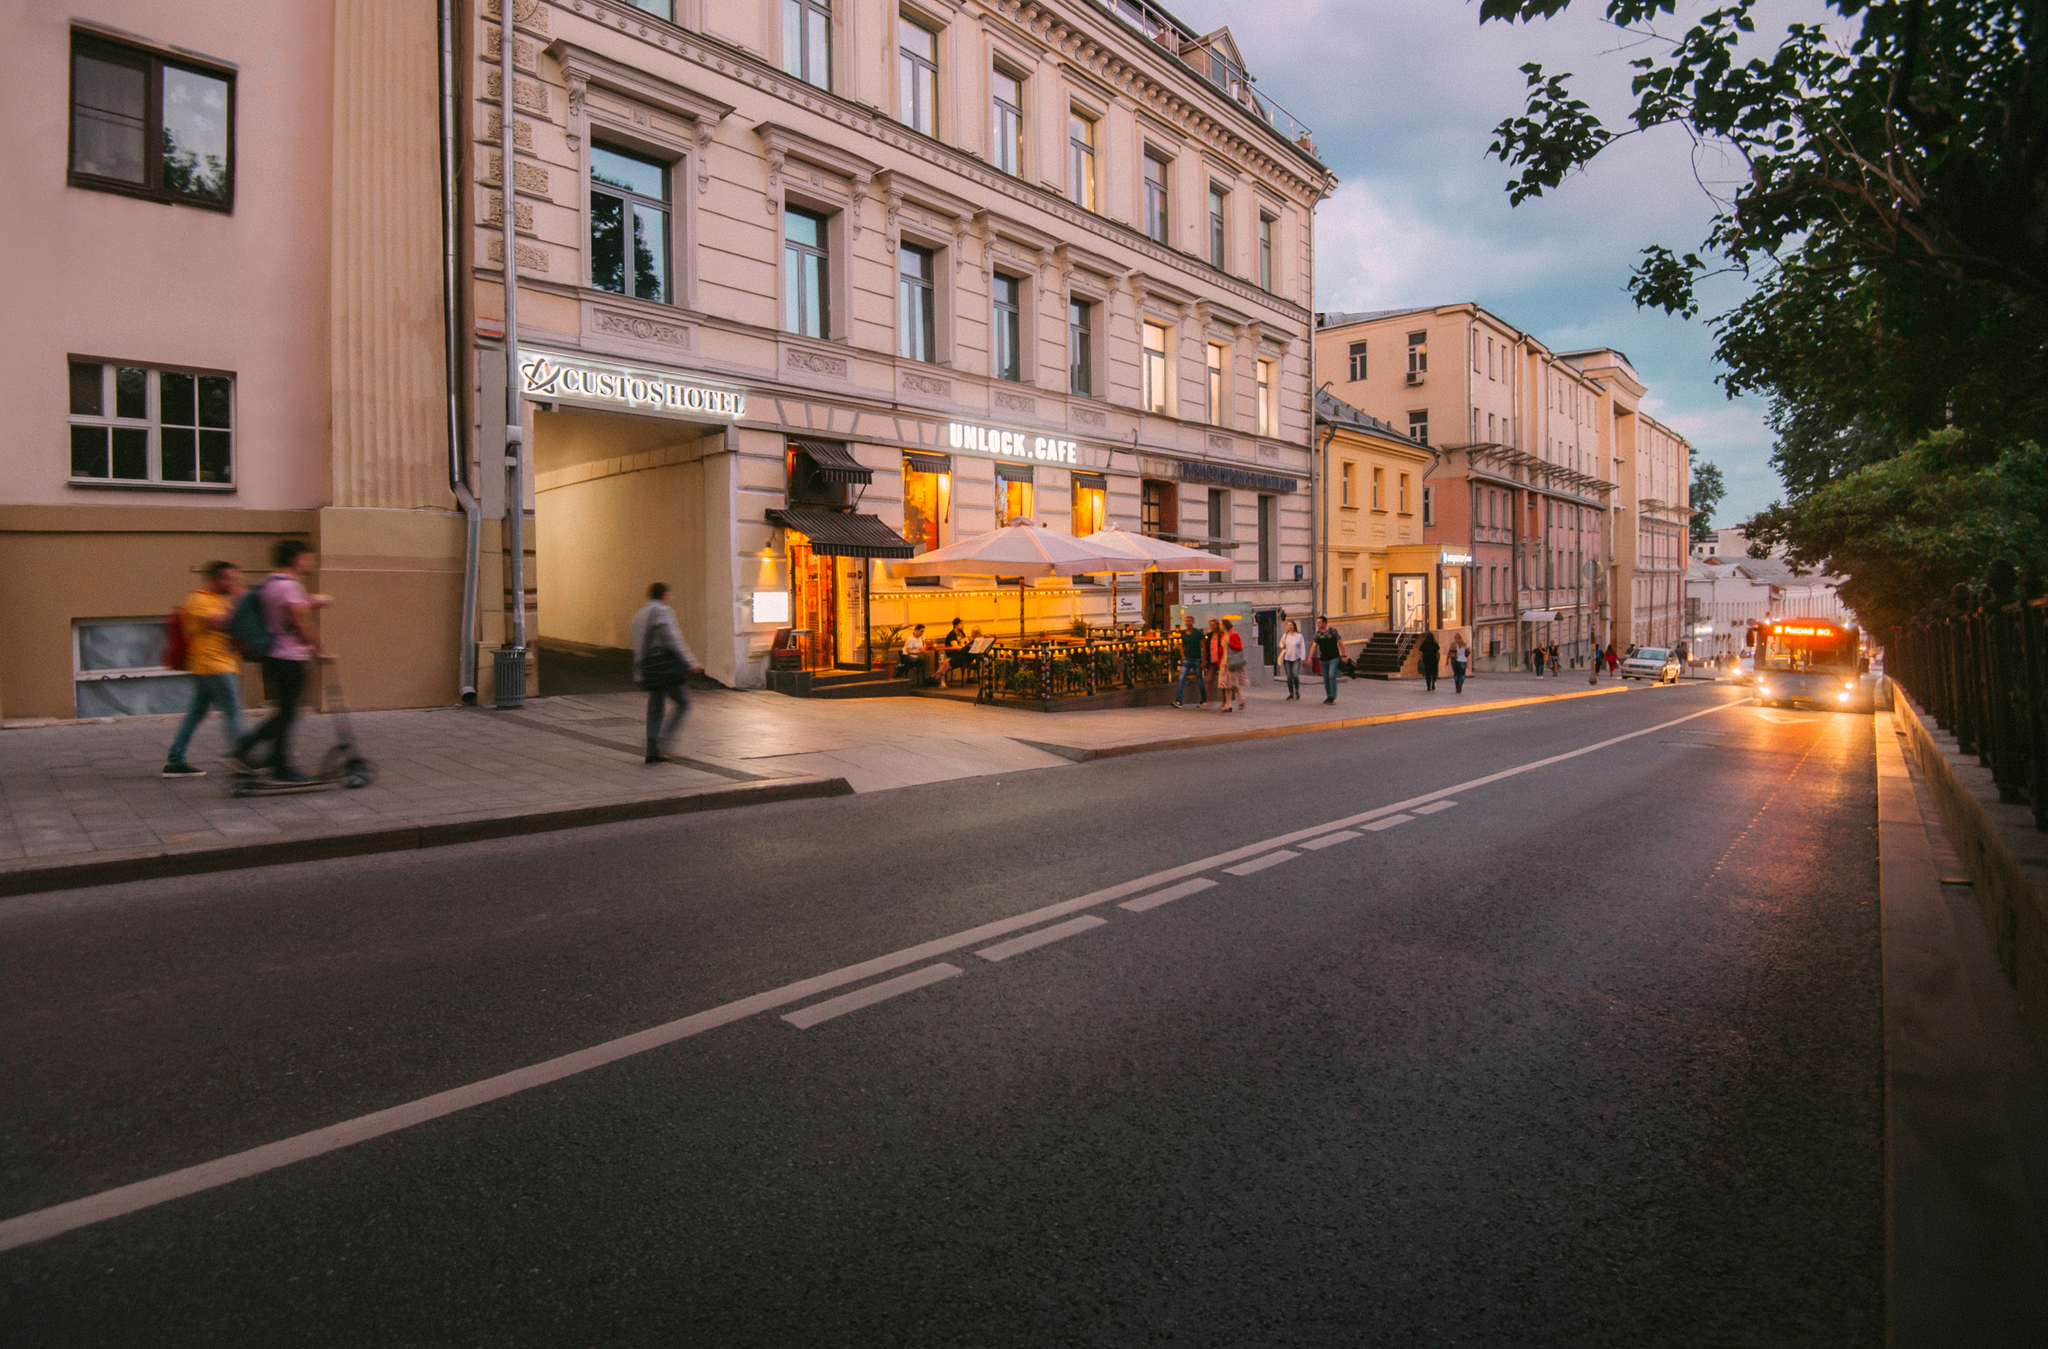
point(1191, 666)
point(209, 691)
point(1293, 669)
point(284, 680)
point(659, 732)
point(1458, 674)
point(1330, 679)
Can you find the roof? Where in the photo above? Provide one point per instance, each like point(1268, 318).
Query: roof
point(1334, 411)
point(839, 534)
point(1345, 320)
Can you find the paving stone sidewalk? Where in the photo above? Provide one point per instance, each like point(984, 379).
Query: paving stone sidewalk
point(82, 791)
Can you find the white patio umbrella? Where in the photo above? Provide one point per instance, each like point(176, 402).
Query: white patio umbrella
point(1147, 554)
point(1020, 549)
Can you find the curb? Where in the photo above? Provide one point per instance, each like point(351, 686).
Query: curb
point(198, 861)
point(1079, 755)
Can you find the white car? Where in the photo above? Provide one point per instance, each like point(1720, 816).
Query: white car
point(1745, 670)
point(1651, 662)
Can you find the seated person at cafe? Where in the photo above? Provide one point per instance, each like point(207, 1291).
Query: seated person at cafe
point(913, 652)
point(952, 640)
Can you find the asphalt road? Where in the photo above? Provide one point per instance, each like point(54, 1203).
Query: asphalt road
point(1590, 1056)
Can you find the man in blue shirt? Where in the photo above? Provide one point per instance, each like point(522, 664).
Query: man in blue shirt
point(1190, 660)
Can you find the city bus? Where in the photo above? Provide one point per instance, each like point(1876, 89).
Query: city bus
point(1813, 661)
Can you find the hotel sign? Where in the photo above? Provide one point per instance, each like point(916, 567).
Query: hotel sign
point(1451, 557)
point(993, 440)
point(549, 376)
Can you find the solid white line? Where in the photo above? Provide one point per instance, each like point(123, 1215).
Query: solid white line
point(42, 1224)
point(1328, 839)
point(1433, 807)
point(1168, 895)
point(1389, 822)
point(1261, 863)
point(1045, 936)
point(806, 1017)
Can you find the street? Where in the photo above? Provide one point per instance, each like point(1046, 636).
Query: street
point(1578, 1045)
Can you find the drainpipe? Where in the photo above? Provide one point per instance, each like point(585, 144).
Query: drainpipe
point(511, 659)
point(458, 457)
point(1317, 485)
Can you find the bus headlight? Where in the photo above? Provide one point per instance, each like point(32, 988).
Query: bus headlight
point(1842, 697)
point(1849, 684)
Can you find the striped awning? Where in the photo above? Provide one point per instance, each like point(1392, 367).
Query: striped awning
point(835, 462)
point(840, 534)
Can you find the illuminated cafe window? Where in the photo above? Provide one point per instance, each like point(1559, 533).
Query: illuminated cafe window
point(927, 505)
point(1091, 503)
point(1013, 493)
point(136, 425)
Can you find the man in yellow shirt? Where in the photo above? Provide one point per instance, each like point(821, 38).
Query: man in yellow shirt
point(216, 668)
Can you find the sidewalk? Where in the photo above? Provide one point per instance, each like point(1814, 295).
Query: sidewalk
point(81, 803)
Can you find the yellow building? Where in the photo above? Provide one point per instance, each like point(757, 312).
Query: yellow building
point(1379, 572)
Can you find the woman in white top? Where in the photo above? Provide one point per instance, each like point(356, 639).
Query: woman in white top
point(1293, 651)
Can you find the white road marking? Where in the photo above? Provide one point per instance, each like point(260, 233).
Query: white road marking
point(1326, 840)
point(1389, 822)
point(42, 1224)
point(1433, 807)
point(1170, 893)
point(806, 1017)
point(1045, 936)
point(1261, 863)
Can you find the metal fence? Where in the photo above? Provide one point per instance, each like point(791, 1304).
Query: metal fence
point(1983, 677)
point(1046, 673)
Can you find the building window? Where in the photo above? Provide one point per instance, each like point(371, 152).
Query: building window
point(1475, 351)
point(807, 41)
point(1418, 427)
point(1401, 499)
point(1006, 324)
point(1219, 206)
point(927, 501)
point(1428, 504)
point(1266, 227)
point(1377, 590)
point(1152, 508)
point(1081, 159)
point(1219, 391)
point(1080, 347)
point(916, 304)
point(1013, 493)
point(1348, 477)
point(150, 127)
point(1269, 402)
point(1091, 505)
point(118, 670)
point(1154, 372)
point(663, 9)
point(804, 307)
point(1357, 362)
point(1156, 216)
point(1418, 353)
point(1219, 516)
point(1007, 134)
point(1269, 536)
point(918, 68)
point(137, 424)
point(1344, 590)
point(628, 221)
point(1379, 488)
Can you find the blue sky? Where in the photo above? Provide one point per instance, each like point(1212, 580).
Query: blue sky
point(1403, 96)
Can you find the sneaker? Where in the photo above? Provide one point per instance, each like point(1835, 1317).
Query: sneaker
point(1176, 702)
point(656, 756)
point(183, 770)
point(237, 764)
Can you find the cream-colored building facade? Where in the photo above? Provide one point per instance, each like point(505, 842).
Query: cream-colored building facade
point(1380, 568)
point(1547, 464)
point(931, 268)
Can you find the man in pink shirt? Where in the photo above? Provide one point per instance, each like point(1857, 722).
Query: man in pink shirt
point(288, 614)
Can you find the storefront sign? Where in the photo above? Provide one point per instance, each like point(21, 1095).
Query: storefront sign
point(550, 376)
point(1451, 557)
point(1012, 444)
point(1235, 477)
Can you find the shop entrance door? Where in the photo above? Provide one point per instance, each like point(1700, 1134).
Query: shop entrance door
point(1410, 603)
point(813, 607)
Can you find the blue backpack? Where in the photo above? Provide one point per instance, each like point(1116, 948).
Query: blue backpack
point(246, 627)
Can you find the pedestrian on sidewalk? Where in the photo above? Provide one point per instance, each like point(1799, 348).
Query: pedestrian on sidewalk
point(210, 658)
point(1613, 659)
point(661, 663)
point(1461, 657)
point(1329, 651)
point(1212, 659)
point(286, 612)
point(1235, 674)
point(1536, 660)
point(1293, 652)
point(1431, 654)
point(1190, 660)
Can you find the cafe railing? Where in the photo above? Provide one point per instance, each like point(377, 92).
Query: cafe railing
point(1983, 677)
point(1047, 672)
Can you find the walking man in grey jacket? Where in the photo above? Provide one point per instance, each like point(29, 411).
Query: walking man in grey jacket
point(661, 662)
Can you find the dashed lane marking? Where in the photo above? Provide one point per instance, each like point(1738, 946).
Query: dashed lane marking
point(1272, 859)
point(806, 1017)
point(1433, 807)
point(1181, 891)
point(1031, 941)
point(1388, 823)
point(1329, 839)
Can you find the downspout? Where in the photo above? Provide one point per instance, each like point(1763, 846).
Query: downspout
point(458, 457)
point(512, 658)
point(1319, 602)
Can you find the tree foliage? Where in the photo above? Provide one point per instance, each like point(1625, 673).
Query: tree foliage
point(1892, 220)
point(1708, 487)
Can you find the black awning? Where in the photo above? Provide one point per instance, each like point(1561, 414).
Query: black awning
point(835, 462)
point(1013, 472)
point(928, 463)
point(1084, 479)
point(838, 534)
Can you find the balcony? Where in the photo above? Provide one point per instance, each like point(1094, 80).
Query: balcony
point(1166, 32)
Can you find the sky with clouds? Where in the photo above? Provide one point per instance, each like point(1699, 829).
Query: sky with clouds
point(1403, 96)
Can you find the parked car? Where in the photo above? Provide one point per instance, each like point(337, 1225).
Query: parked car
point(1651, 662)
